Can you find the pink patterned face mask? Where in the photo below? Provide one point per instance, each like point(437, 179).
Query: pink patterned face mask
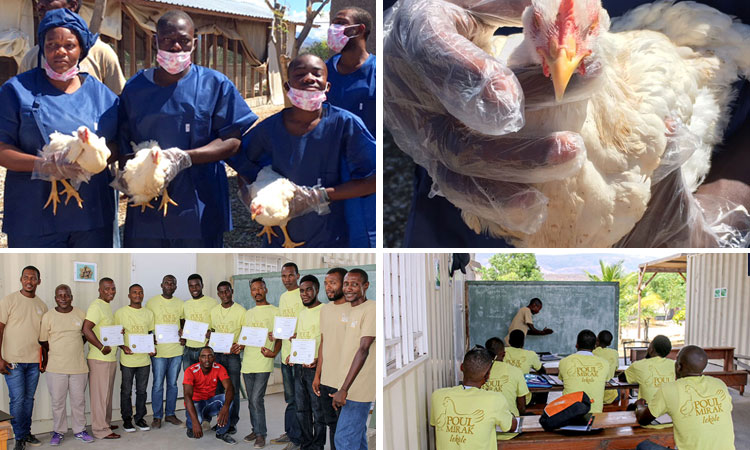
point(173, 63)
point(336, 37)
point(307, 100)
point(65, 76)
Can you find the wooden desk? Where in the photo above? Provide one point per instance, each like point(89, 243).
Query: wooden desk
point(724, 353)
point(621, 431)
point(622, 405)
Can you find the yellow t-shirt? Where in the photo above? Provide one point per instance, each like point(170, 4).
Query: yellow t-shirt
point(701, 410)
point(62, 331)
point(465, 419)
point(650, 374)
point(228, 320)
point(521, 321)
point(198, 311)
point(509, 381)
point(22, 317)
point(290, 304)
point(308, 325)
point(362, 320)
point(585, 372)
point(167, 311)
point(522, 358)
point(253, 360)
point(100, 313)
point(134, 321)
point(613, 358)
point(333, 320)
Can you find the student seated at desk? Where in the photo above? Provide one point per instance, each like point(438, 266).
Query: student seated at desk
point(584, 371)
point(700, 406)
point(465, 416)
point(604, 340)
point(517, 356)
point(506, 379)
point(652, 372)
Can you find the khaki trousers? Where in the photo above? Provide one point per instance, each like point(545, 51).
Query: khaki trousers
point(101, 384)
point(60, 385)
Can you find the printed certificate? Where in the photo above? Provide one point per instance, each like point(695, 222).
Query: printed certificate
point(221, 342)
point(112, 335)
point(253, 337)
point(141, 343)
point(195, 331)
point(283, 327)
point(167, 334)
point(303, 351)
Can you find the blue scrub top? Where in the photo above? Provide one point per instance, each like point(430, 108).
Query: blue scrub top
point(30, 110)
point(354, 92)
point(437, 223)
point(339, 148)
point(202, 106)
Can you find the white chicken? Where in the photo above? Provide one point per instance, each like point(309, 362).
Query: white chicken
point(660, 81)
point(82, 147)
point(145, 176)
point(271, 196)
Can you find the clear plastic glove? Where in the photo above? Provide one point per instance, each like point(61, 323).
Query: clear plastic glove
point(453, 108)
point(178, 159)
point(305, 199)
point(55, 166)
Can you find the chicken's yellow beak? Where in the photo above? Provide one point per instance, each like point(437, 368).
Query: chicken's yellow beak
point(252, 216)
point(563, 62)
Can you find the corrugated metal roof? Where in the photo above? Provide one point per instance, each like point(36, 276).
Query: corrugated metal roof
point(255, 8)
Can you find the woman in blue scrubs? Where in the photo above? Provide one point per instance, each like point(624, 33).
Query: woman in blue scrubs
point(34, 104)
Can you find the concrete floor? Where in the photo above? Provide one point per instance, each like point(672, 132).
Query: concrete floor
point(171, 437)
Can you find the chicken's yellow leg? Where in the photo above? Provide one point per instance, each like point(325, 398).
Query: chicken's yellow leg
point(267, 231)
point(165, 201)
point(70, 190)
point(288, 243)
point(53, 197)
point(143, 205)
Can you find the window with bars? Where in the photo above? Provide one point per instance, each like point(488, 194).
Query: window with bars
point(248, 263)
point(405, 310)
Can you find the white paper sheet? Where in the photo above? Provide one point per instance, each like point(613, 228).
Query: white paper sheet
point(221, 342)
point(112, 335)
point(253, 336)
point(195, 331)
point(303, 351)
point(167, 334)
point(141, 343)
point(283, 327)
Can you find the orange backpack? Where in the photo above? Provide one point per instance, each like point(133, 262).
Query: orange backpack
point(570, 409)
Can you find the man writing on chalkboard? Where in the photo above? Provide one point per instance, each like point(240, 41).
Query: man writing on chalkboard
point(523, 320)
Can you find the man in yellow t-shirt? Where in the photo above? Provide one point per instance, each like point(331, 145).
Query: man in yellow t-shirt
point(290, 304)
point(197, 309)
point(583, 371)
point(167, 310)
point(134, 364)
point(700, 406)
point(525, 360)
point(333, 319)
point(465, 416)
point(20, 321)
point(227, 318)
point(257, 362)
point(309, 412)
point(523, 320)
point(506, 379)
point(654, 371)
point(102, 360)
point(357, 391)
point(65, 364)
point(603, 341)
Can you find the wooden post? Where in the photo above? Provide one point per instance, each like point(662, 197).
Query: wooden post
point(98, 16)
point(244, 77)
point(204, 49)
point(216, 53)
point(149, 50)
point(224, 59)
point(234, 63)
point(252, 82)
point(133, 60)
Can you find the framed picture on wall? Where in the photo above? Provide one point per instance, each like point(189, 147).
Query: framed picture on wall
point(84, 271)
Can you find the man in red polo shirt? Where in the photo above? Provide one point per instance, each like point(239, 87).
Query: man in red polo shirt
point(201, 400)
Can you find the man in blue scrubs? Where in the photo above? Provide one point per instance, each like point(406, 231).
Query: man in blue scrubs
point(199, 111)
point(55, 97)
point(436, 222)
point(351, 73)
point(313, 144)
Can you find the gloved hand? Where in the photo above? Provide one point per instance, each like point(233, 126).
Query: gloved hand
point(178, 159)
point(305, 199)
point(55, 166)
point(452, 107)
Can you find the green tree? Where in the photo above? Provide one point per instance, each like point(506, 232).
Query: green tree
point(512, 267)
point(671, 289)
point(628, 296)
point(319, 49)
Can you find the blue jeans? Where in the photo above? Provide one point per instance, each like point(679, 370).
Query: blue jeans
point(233, 364)
point(309, 411)
point(140, 374)
point(648, 445)
point(169, 368)
point(22, 383)
point(291, 425)
point(351, 430)
point(256, 383)
point(190, 356)
point(206, 409)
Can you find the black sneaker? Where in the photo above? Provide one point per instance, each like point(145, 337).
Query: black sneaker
point(142, 425)
point(127, 425)
point(232, 430)
point(189, 433)
point(20, 445)
point(227, 438)
point(33, 441)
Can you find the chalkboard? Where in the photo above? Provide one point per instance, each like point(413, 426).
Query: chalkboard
point(568, 308)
